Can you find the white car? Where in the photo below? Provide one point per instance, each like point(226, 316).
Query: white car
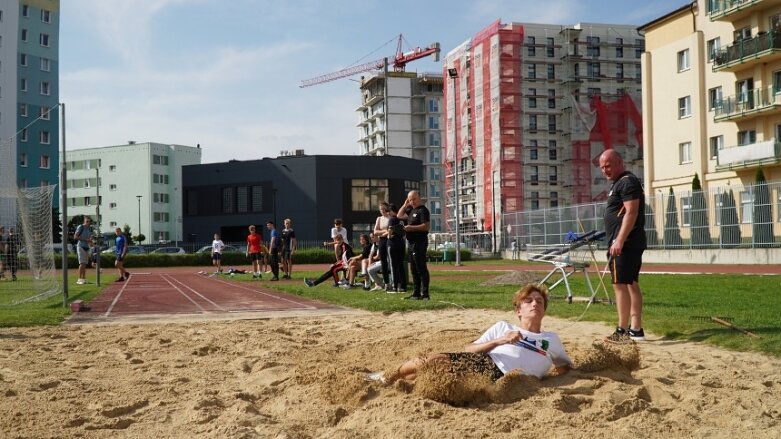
point(169, 251)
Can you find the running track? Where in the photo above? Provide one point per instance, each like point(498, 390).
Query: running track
point(152, 295)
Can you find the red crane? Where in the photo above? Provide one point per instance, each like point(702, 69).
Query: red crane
point(398, 63)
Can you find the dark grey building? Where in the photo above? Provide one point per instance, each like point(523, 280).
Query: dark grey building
point(227, 197)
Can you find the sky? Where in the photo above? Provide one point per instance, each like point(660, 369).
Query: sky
point(226, 74)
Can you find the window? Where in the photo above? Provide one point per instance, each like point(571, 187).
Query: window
point(639, 48)
point(533, 154)
point(45, 113)
point(46, 16)
point(714, 98)
point(112, 187)
point(434, 190)
point(434, 173)
point(716, 144)
point(46, 64)
point(366, 194)
point(433, 105)
point(45, 88)
point(619, 71)
point(112, 205)
point(159, 159)
point(436, 207)
point(619, 47)
point(747, 207)
point(23, 160)
point(112, 168)
point(44, 39)
point(433, 122)
point(551, 123)
point(530, 41)
point(45, 138)
point(551, 98)
point(683, 60)
point(161, 217)
point(23, 85)
point(592, 48)
point(714, 46)
point(684, 107)
point(25, 10)
point(44, 162)
point(532, 69)
point(23, 135)
point(23, 59)
point(434, 139)
point(434, 156)
point(747, 137)
point(553, 175)
point(257, 198)
point(24, 35)
point(532, 98)
point(553, 152)
point(551, 71)
point(23, 110)
point(227, 200)
point(742, 34)
point(534, 175)
point(777, 82)
point(533, 122)
point(242, 199)
point(745, 91)
point(686, 211)
point(593, 70)
point(684, 152)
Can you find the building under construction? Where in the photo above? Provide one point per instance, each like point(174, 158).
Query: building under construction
point(528, 110)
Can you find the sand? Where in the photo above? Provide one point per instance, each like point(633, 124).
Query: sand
point(304, 378)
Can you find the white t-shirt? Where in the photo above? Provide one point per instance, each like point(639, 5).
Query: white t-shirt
point(341, 231)
point(534, 354)
point(217, 246)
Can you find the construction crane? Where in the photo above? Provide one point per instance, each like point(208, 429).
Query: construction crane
point(399, 62)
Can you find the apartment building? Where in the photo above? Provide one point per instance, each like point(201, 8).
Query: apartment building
point(406, 124)
point(139, 184)
point(712, 94)
point(529, 108)
point(29, 93)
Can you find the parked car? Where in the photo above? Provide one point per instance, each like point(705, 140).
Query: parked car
point(131, 250)
point(55, 248)
point(449, 246)
point(225, 249)
point(169, 251)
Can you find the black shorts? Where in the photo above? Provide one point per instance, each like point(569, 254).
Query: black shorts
point(286, 254)
point(216, 256)
point(254, 257)
point(625, 269)
point(474, 363)
point(120, 258)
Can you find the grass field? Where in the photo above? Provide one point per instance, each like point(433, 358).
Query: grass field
point(671, 303)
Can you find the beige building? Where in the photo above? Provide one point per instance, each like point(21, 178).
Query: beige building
point(712, 95)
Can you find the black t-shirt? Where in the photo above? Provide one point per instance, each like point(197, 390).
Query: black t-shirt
point(627, 187)
point(396, 227)
point(415, 217)
point(11, 245)
point(367, 250)
point(287, 237)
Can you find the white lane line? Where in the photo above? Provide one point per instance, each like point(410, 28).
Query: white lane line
point(240, 285)
point(116, 299)
point(200, 308)
point(167, 276)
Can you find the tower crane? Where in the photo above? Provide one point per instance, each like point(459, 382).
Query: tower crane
point(399, 62)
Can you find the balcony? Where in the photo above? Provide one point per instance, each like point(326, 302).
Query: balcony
point(732, 9)
point(761, 101)
point(749, 156)
point(746, 53)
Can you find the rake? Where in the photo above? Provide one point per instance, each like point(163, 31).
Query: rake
point(724, 321)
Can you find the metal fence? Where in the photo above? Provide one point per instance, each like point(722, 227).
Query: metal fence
point(723, 217)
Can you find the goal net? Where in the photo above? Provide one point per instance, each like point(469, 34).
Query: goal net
point(27, 249)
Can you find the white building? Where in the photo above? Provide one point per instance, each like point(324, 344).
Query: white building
point(407, 124)
point(138, 184)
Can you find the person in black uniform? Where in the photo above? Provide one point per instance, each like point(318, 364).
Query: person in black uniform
point(418, 220)
point(625, 231)
point(398, 278)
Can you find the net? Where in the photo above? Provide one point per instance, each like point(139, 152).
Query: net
point(28, 250)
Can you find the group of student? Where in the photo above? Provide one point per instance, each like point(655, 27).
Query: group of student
point(381, 260)
point(278, 254)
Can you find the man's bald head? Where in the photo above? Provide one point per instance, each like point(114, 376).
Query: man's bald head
point(414, 198)
point(611, 164)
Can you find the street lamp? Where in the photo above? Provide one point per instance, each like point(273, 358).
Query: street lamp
point(453, 74)
point(139, 213)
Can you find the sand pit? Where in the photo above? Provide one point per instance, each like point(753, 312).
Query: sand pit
point(303, 378)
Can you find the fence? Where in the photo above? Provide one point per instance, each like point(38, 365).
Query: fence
point(722, 217)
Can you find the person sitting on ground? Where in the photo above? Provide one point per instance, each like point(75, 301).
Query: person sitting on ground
point(376, 265)
point(333, 271)
point(503, 348)
point(356, 263)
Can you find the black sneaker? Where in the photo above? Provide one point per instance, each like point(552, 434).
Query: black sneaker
point(413, 297)
point(309, 283)
point(636, 334)
point(274, 279)
point(619, 337)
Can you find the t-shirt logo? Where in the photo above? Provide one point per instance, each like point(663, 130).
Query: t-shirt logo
point(414, 215)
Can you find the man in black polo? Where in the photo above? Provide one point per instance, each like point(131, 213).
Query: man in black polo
point(418, 220)
point(625, 230)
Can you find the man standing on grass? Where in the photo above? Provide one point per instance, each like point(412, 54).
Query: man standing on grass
point(273, 248)
point(625, 230)
point(289, 244)
point(84, 237)
point(121, 249)
point(418, 219)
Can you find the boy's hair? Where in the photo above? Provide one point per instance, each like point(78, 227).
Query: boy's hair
point(524, 292)
point(338, 221)
point(339, 237)
point(252, 228)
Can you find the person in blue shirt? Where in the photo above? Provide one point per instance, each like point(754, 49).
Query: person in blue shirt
point(274, 245)
point(121, 251)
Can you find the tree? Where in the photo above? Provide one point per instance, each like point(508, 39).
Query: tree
point(128, 234)
point(762, 212)
point(672, 233)
point(139, 238)
point(700, 227)
point(730, 229)
point(651, 238)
